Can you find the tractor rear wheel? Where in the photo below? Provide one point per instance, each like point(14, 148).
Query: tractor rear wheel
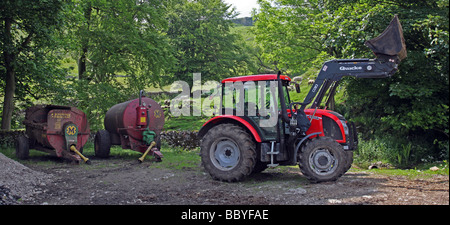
point(228, 152)
point(102, 144)
point(323, 159)
point(259, 167)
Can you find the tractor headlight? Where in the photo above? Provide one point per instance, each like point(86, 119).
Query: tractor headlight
point(344, 124)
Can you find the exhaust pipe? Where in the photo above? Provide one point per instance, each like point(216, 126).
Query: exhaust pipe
point(284, 115)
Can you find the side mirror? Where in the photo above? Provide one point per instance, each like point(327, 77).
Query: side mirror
point(297, 87)
point(297, 81)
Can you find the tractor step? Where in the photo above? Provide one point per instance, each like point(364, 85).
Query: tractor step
point(271, 153)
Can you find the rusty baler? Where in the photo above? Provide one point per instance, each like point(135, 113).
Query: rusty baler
point(135, 124)
point(58, 130)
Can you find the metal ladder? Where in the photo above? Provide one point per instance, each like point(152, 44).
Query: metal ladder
point(272, 153)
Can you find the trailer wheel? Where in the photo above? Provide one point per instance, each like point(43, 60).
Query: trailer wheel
point(228, 153)
point(102, 144)
point(322, 159)
point(22, 147)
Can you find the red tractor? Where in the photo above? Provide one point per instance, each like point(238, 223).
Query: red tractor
point(247, 137)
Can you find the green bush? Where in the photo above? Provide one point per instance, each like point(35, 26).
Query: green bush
point(376, 149)
point(402, 153)
point(7, 138)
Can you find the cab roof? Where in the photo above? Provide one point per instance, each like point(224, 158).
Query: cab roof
point(256, 78)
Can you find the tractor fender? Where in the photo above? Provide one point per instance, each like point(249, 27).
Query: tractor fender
point(229, 119)
point(297, 147)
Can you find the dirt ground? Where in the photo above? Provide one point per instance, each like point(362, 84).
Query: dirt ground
point(124, 181)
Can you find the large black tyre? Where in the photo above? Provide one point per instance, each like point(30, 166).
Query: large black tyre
point(322, 159)
point(259, 167)
point(102, 144)
point(349, 160)
point(228, 153)
point(22, 147)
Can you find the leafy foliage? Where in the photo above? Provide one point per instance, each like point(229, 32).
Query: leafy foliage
point(202, 41)
point(93, 98)
point(119, 37)
point(29, 53)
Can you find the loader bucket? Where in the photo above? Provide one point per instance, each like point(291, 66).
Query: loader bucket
point(390, 42)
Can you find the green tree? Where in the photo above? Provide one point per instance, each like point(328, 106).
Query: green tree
point(28, 59)
point(120, 48)
point(290, 34)
point(201, 39)
point(110, 38)
point(246, 58)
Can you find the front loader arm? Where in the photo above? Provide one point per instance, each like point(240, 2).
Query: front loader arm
point(334, 70)
point(389, 48)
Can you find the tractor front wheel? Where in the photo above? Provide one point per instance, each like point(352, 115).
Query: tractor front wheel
point(322, 159)
point(228, 152)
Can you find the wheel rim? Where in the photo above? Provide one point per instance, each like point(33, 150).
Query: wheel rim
point(323, 162)
point(225, 154)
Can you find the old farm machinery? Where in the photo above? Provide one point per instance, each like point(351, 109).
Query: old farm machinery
point(135, 124)
point(58, 130)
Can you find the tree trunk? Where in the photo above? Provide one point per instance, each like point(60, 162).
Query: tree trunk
point(8, 103)
point(84, 45)
point(82, 64)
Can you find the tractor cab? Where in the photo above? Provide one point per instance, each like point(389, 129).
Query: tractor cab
point(254, 99)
